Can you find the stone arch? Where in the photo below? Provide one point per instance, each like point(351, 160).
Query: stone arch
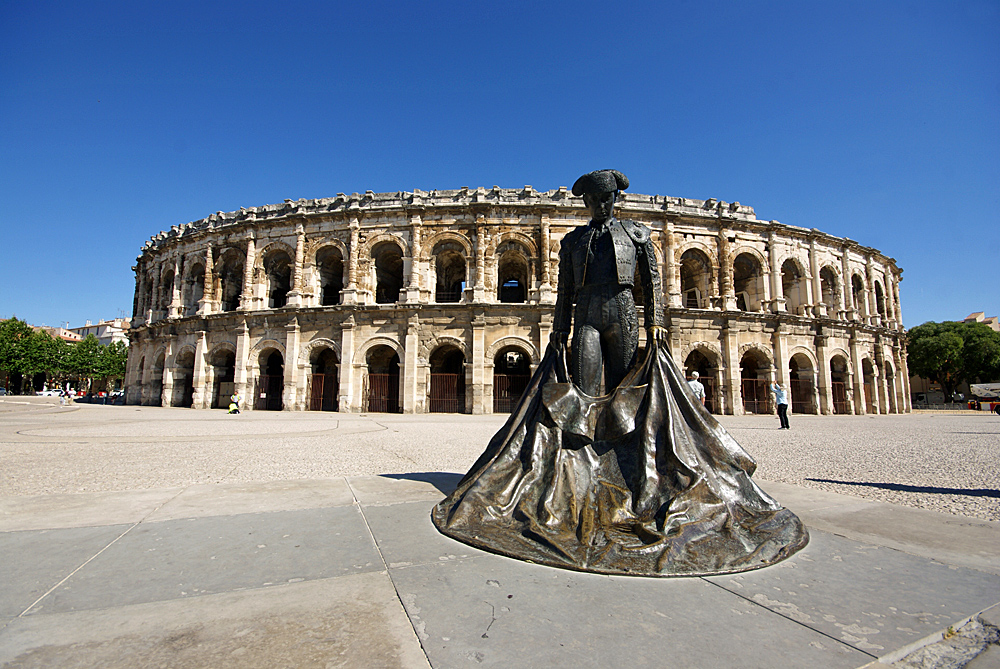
point(277, 263)
point(193, 288)
point(380, 340)
point(450, 264)
point(435, 342)
point(794, 284)
point(182, 351)
point(757, 348)
point(512, 236)
point(315, 246)
point(384, 267)
point(373, 241)
point(838, 351)
point(697, 244)
point(305, 354)
point(427, 245)
point(328, 283)
point(698, 277)
point(228, 274)
point(260, 347)
point(748, 270)
point(273, 247)
point(707, 348)
point(807, 353)
point(513, 265)
point(830, 289)
point(512, 340)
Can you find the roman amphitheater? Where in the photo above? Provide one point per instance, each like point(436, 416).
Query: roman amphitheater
point(442, 301)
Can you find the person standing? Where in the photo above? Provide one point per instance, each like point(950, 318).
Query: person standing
point(781, 399)
point(697, 387)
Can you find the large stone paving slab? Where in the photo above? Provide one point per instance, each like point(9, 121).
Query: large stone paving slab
point(199, 501)
point(198, 556)
point(32, 562)
point(351, 621)
point(39, 512)
point(492, 611)
point(874, 598)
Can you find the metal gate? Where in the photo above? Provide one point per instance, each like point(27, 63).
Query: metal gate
point(802, 395)
point(507, 391)
point(709, 384)
point(267, 394)
point(840, 397)
point(322, 393)
point(382, 393)
point(756, 398)
point(869, 398)
point(447, 393)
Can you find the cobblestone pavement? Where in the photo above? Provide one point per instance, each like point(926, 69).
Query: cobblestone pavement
point(946, 463)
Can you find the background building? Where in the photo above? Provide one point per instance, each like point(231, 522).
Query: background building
point(107, 331)
point(443, 300)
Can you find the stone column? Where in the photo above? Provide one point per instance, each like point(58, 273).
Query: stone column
point(295, 294)
point(175, 300)
point(478, 360)
point(871, 304)
point(671, 279)
point(849, 307)
point(247, 296)
point(289, 399)
point(154, 297)
point(777, 296)
point(348, 374)
point(242, 383)
point(859, 377)
point(147, 375)
point(824, 387)
point(819, 307)
point(413, 280)
point(731, 389)
point(545, 293)
point(167, 395)
point(350, 294)
point(727, 298)
point(479, 292)
point(207, 301)
point(899, 307)
point(904, 378)
point(139, 312)
point(201, 397)
point(411, 345)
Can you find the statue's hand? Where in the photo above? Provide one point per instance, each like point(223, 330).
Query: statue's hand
point(658, 333)
point(558, 339)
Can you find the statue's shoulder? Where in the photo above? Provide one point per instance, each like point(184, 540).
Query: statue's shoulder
point(573, 235)
point(637, 231)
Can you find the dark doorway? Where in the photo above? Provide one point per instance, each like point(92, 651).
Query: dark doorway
point(271, 383)
point(511, 372)
point(323, 383)
point(381, 392)
point(447, 387)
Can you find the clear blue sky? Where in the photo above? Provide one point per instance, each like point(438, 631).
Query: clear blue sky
point(878, 121)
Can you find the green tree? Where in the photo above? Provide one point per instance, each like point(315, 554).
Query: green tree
point(953, 352)
point(15, 336)
point(111, 362)
point(84, 359)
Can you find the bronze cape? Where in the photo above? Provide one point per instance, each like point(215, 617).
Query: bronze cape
point(643, 481)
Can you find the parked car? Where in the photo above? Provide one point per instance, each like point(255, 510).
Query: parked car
point(3, 391)
point(48, 393)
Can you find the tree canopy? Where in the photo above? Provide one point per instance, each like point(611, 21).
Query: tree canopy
point(951, 353)
point(25, 352)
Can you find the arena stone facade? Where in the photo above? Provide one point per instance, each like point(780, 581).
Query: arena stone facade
point(443, 301)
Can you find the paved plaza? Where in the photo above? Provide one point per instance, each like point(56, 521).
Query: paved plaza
point(142, 536)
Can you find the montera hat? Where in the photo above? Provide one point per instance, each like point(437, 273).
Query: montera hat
point(600, 181)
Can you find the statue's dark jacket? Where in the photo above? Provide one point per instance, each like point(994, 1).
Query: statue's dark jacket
point(633, 251)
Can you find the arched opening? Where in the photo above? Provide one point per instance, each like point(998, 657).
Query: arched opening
point(166, 290)
point(183, 380)
point(223, 363)
point(324, 381)
point(156, 381)
point(271, 381)
point(229, 280)
point(697, 361)
point(449, 268)
point(512, 274)
point(447, 387)
point(793, 287)
point(194, 288)
point(330, 267)
point(748, 282)
point(754, 369)
point(511, 372)
point(388, 272)
point(858, 293)
point(278, 270)
point(839, 380)
point(831, 291)
point(147, 298)
point(801, 380)
point(868, 377)
point(382, 382)
point(696, 277)
point(880, 300)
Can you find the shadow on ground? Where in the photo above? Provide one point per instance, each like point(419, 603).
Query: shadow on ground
point(934, 490)
point(445, 482)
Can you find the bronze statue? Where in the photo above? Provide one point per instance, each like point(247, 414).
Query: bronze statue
point(641, 480)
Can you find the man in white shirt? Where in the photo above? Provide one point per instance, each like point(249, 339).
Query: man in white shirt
point(696, 387)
